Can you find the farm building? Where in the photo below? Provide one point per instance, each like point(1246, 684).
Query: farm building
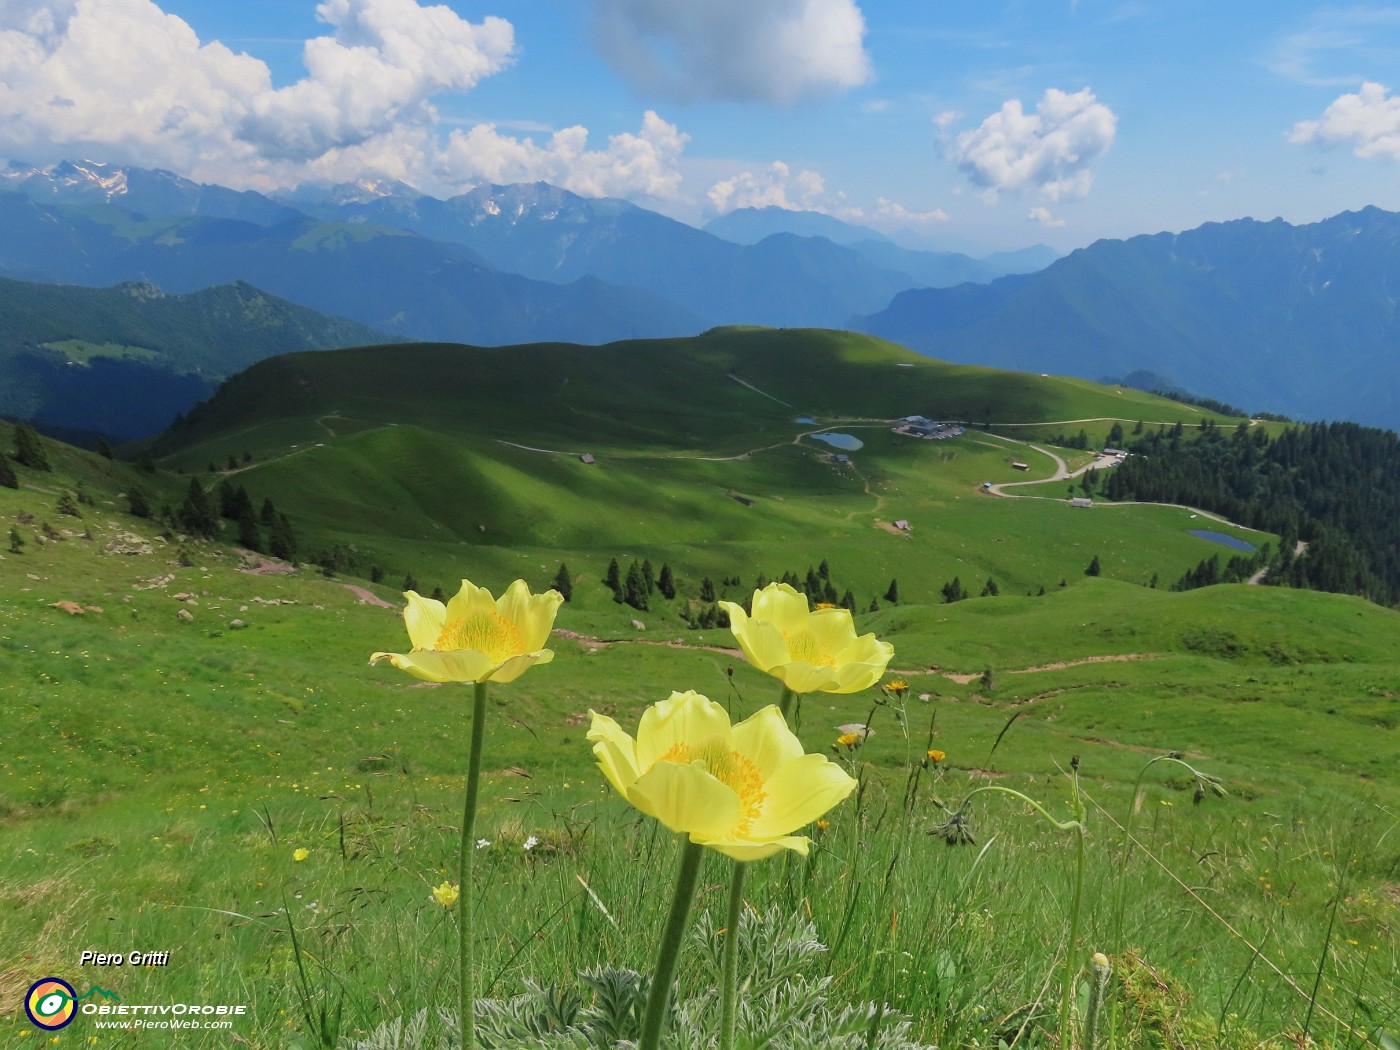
point(1081, 501)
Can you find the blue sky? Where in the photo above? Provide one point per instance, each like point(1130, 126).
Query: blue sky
point(977, 125)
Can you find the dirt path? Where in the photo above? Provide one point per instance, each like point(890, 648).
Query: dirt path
point(369, 598)
point(590, 642)
point(1116, 658)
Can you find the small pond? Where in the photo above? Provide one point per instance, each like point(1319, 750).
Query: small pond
point(1233, 542)
point(804, 419)
point(845, 441)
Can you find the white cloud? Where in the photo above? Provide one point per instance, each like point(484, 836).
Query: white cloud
point(775, 51)
point(779, 186)
point(644, 164)
point(1042, 215)
point(1048, 151)
point(1367, 120)
point(124, 81)
point(773, 186)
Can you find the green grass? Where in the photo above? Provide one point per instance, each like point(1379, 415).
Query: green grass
point(156, 776)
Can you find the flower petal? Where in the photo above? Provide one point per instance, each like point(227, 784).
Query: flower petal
point(798, 794)
point(616, 752)
point(516, 666)
point(459, 665)
point(684, 718)
point(532, 614)
point(765, 739)
point(424, 618)
point(832, 630)
point(469, 601)
point(687, 799)
point(744, 850)
point(782, 606)
point(763, 644)
point(802, 677)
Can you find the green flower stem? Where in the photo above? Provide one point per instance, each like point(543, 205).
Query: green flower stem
point(729, 1001)
point(1072, 949)
point(660, 992)
point(785, 701)
point(466, 944)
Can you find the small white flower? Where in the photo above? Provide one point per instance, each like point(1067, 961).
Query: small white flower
point(531, 843)
point(483, 843)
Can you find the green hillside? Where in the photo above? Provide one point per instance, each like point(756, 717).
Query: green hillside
point(170, 747)
point(199, 758)
point(409, 454)
point(124, 360)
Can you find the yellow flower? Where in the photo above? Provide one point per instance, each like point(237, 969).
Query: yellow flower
point(848, 739)
point(897, 686)
point(740, 789)
point(936, 755)
point(446, 894)
point(807, 651)
point(300, 855)
point(474, 637)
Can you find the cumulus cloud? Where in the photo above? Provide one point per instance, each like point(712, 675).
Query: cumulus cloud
point(774, 186)
point(1048, 151)
point(774, 51)
point(644, 164)
point(1042, 215)
point(125, 81)
point(779, 186)
point(1367, 120)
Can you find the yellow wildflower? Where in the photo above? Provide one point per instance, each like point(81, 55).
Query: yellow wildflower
point(740, 789)
point(807, 651)
point(896, 686)
point(474, 637)
point(446, 894)
point(826, 605)
point(936, 755)
point(848, 739)
point(300, 854)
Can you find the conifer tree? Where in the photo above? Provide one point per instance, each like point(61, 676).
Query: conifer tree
point(29, 451)
point(635, 590)
point(103, 448)
point(268, 514)
point(824, 570)
point(137, 505)
point(196, 516)
point(666, 583)
point(707, 590)
point(990, 589)
point(281, 541)
point(16, 541)
point(564, 583)
point(145, 464)
point(848, 600)
point(410, 582)
point(8, 477)
point(613, 580)
point(248, 535)
point(892, 595)
point(437, 594)
point(1094, 568)
point(647, 577)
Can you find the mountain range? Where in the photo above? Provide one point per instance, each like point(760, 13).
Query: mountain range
point(1300, 320)
point(124, 361)
point(669, 278)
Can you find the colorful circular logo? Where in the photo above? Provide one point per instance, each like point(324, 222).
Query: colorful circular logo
point(50, 1003)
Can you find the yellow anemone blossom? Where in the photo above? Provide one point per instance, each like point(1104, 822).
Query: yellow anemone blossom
point(446, 894)
point(300, 854)
point(474, 637)
point(740, 789)
point(807, 651)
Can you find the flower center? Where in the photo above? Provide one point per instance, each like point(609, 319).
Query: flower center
point(486, 633)
point(730, 768)
point(802, 646)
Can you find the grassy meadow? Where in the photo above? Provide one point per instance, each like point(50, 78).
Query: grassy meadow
point(159, 774)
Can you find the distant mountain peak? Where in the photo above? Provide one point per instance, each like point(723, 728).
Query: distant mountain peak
point(87, 177)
